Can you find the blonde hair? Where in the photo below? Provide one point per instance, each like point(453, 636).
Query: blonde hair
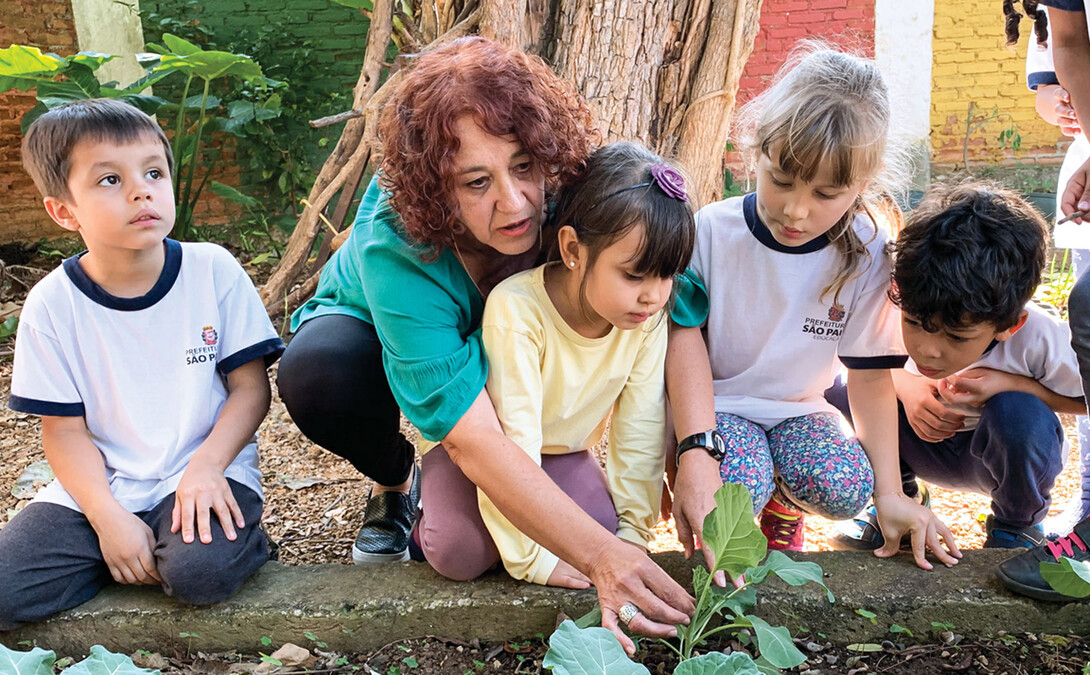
point(828, 109)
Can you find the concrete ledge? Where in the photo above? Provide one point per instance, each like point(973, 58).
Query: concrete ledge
point(360, 608)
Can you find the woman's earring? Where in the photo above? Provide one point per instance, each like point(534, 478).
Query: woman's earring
point(572, 263)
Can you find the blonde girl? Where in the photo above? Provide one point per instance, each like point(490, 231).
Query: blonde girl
point(797, 278)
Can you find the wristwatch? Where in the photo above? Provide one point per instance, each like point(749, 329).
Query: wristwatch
point(710, 441)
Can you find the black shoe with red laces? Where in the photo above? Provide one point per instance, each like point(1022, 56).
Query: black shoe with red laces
point(1022, 573)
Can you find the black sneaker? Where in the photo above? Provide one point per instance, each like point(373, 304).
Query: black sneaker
point(387, 520)
point(1022, 573)
point(1001, 535)
point(862, 533)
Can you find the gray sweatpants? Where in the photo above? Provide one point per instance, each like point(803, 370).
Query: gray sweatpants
point(50, 559)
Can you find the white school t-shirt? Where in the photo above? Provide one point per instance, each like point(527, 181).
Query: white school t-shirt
point(1040, 350)
point(775, 345)
point(148, 374)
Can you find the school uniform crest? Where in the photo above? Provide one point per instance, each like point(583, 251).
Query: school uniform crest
point(209, 335)
point(836, 313)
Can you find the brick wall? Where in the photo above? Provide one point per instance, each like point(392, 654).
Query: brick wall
point(48, 25)
point(972, 63)
point(848, 23)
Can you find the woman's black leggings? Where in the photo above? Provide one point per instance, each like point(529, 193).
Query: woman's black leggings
point(334, 386)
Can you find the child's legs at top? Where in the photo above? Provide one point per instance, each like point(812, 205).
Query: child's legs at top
point(748, 460)
point(50, 561)
point(204, 574)
point(450, 530)
point(1014, 456)
point(822, 469)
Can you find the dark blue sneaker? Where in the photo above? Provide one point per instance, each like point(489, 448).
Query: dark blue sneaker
point(1001, 535)
point(387, 521)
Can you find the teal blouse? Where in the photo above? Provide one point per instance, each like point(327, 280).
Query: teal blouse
point(427, 314)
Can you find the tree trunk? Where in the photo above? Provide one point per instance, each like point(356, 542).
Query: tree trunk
point(664, 72)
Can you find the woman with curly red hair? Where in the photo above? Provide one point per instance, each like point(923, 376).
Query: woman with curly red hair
point(477, 136)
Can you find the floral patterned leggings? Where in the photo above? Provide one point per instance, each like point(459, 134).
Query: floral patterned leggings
point(818, 467)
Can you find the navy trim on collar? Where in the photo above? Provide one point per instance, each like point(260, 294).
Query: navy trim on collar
point(172, 265)
point(761, 232)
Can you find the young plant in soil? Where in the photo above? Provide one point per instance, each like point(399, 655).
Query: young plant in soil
point(738, 545)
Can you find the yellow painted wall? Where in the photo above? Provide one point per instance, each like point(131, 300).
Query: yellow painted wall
point(972, 63)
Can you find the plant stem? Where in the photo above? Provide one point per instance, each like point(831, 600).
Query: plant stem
point(179, 124)
point(187, 200)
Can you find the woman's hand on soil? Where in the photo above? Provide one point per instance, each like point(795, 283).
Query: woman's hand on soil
point(623, 573)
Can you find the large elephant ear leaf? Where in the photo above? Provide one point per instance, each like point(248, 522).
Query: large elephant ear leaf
point(587, 651)
point(730, 532)
point(35, 662)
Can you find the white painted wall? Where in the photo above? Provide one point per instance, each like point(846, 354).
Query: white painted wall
point(111, 27)
point(902, 49)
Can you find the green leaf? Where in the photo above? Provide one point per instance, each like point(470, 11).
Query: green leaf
point(796, 573)
point(1068, 577)
point(31, 479)
point(582, 651)
point(897, 628)
point(180, 46)
point(24, 67)
point(90, 60)
point(231, 194)
point(867, 615)
point(775, 644)
point(8, 327)
point(718, 663)
point(410, 661)
point(864, 647)
point(590, 619)
point(104, 662)
point(730, 532)
point(35, 662)
point(765, 667)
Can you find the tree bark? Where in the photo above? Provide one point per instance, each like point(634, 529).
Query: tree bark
point(663, 72)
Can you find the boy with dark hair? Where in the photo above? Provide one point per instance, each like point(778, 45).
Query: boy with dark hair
point(988, 369)
point(146, 360)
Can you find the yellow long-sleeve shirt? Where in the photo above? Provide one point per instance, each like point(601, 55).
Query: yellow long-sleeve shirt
point(554, 389)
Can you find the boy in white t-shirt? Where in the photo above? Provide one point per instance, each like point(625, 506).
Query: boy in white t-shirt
point(988, 371)
point(146, 360)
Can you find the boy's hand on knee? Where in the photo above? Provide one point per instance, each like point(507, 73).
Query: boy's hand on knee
point(975, 386)
point(929, 418)
point(898, 515)
point(127, 544)
point(202, 490)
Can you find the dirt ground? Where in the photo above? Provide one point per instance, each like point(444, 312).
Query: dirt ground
point(314, 502)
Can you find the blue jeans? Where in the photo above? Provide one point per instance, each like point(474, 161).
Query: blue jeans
point(1013, 455)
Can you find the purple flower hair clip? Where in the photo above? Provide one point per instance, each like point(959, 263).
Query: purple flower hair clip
point(669, 180)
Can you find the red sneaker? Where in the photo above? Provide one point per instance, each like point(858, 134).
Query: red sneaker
point(783, 527)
